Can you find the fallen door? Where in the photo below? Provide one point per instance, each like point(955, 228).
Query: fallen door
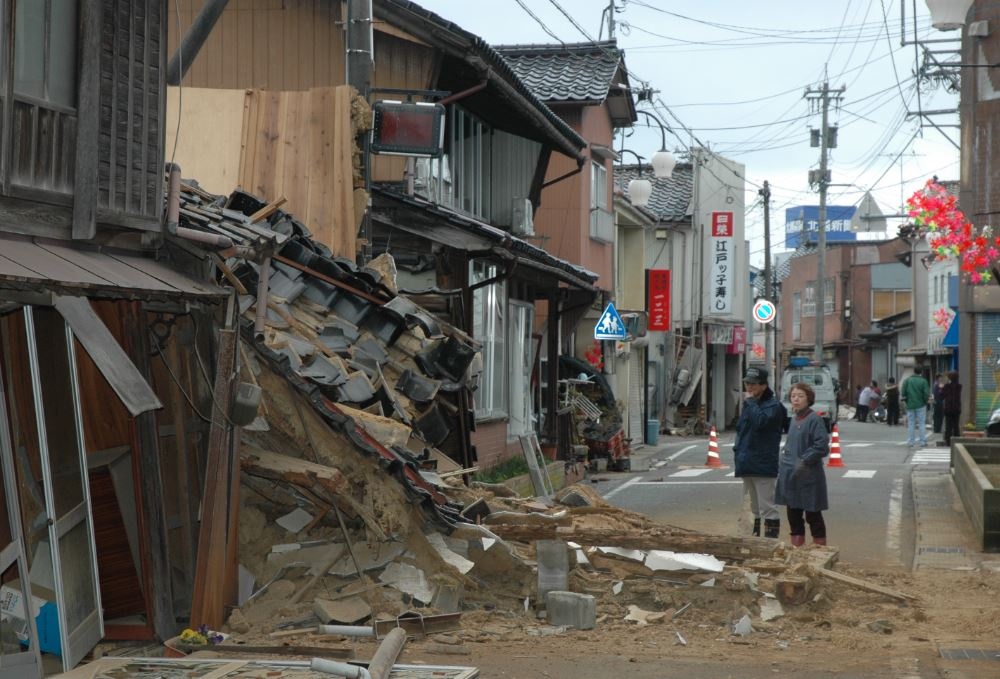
point(16, 662)
point(65, 487)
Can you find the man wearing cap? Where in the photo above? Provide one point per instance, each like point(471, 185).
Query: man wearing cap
point(757, 447)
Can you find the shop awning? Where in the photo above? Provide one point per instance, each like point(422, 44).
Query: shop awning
point(34, 263)
point(950, 340)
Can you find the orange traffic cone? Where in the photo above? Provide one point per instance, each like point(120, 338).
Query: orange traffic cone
point(835, 459)
point(713, 449)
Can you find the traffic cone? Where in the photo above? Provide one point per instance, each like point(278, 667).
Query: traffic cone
point(835, 459)
point(713, 449)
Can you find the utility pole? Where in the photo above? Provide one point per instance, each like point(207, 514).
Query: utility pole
point(827, 140)
point(611, 19)
point(359, 45)
point(765, 194)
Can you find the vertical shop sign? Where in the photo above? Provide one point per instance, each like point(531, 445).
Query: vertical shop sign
point(722, 265)
point(658, 298)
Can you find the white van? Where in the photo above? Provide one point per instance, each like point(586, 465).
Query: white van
point(821, 380)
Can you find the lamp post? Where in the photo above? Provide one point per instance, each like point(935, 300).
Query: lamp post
point(663, 162)
point(947, 15)
point(639, 189)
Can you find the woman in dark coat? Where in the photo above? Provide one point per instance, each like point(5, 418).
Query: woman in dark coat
point(801, 483)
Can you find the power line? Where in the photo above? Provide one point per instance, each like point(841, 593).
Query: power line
point(539, 21)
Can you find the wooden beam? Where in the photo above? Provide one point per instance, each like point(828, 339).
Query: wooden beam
point(88, 123)
point(861, 584)
point(208, 600)
point(153, 519)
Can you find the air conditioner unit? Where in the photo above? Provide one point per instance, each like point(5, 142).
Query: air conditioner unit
point(521, 217)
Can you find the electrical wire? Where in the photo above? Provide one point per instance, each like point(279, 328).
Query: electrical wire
point(539, 21)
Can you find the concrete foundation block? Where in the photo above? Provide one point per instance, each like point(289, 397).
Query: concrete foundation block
point(571, 609)
point(553, 566)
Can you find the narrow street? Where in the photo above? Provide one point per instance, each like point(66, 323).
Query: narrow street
point(871, 515)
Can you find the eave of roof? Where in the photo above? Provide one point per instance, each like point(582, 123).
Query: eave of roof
point(477, 52)
point(571, 273)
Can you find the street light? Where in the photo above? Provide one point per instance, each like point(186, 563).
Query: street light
point(947, 15)
point(663, 161)
point(639, 189)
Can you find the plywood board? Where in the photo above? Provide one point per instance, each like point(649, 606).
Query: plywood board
point(210, 135)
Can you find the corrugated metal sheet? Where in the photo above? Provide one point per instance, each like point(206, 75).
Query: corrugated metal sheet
point(26, 260)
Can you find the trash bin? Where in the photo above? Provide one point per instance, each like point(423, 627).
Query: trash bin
point(652, 432)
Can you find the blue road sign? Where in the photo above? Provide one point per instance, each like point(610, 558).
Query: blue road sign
point(610, 325)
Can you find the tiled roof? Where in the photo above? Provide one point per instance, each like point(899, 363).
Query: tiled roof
point(566, 73)
point(671, 198)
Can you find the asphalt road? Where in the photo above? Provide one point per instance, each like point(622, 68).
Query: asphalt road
point(871, 509)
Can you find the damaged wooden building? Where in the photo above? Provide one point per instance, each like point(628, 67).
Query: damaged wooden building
point(261, 112)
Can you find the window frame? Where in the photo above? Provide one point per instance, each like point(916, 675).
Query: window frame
point(489, 325)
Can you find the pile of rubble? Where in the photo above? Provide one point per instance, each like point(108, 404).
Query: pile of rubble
point(356, 516)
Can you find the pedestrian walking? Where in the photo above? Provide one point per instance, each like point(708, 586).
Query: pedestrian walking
point(758, 443)
point(892, 402)
point(801, 485)
point(951, 405)
point(938, 405)
point(857, 403)
point(916, 392)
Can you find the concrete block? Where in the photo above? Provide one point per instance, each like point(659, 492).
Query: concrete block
point(553, 566)
point(571, 609)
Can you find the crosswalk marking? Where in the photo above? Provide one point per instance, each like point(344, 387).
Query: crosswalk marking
point(859, 474)
point(930, 456)
point(856, 445)
point(691, 472)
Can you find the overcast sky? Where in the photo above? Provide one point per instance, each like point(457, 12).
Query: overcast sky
point(731, 75)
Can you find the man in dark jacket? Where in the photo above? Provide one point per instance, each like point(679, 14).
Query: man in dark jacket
point(758, 444)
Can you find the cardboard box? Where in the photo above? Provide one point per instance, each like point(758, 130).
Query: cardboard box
point(46, 617)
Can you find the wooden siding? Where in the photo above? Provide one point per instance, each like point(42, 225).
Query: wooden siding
point(130, 160)
point(299, 145)
point(44, 144)
point(266, 44)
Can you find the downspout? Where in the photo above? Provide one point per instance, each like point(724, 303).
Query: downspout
point(194, 39)
point(174, 211)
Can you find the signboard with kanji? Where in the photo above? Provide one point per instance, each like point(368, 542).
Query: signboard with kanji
point(722, 262)
point(658, 298)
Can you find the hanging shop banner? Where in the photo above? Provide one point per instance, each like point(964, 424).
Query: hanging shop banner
point(739, 343)
point(658, 300)
point(722, 265)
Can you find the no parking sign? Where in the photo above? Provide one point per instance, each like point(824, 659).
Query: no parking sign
point(764, 311)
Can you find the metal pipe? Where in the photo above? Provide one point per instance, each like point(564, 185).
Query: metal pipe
point(173, 197)
point(385, 657)
point(263, 279)
point(346, 630)
point(340, 669)
point(194, 39)
point(172, 224)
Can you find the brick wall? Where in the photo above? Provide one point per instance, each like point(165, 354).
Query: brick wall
point(492, 448)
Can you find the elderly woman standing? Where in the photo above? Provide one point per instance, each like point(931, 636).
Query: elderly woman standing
point(801, 483)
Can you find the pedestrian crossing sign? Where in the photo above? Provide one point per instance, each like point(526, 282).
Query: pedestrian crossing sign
point(610, 326)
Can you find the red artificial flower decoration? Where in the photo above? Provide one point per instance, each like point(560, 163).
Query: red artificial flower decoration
point(594, 356)
point(935, 212)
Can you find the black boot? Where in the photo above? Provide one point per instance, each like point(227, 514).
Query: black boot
point(756, 527)
point(772, 527)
